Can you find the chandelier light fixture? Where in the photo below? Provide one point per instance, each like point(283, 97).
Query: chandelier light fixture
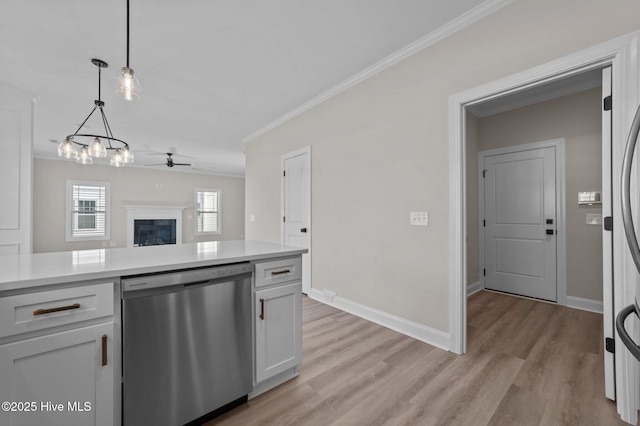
point(128, 86)
point(85, 147)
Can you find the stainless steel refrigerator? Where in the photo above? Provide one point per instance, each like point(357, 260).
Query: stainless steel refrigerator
point(630, 233)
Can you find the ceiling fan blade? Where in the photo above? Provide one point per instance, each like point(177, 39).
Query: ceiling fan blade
point(160, 164)
point(169, 153)
point(181, 164)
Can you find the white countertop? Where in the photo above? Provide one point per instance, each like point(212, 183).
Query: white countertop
point(31, 270)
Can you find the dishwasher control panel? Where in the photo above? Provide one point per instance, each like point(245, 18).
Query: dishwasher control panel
point(182, 277)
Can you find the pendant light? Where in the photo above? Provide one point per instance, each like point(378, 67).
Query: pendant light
point(96, 146)
point(128, 86)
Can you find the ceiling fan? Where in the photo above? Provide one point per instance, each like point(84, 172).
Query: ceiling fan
point(169, 162)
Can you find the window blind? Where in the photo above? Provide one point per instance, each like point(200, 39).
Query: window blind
point(88, 210)
point(207, 211)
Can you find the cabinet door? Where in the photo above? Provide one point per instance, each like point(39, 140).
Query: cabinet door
point(278, 329)
point(60, 378)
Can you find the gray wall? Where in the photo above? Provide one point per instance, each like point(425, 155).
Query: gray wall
point(129, 186)
point(578, 119)
point(380, 150)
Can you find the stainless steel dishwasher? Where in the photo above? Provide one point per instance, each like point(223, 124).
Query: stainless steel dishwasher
point(186, 344)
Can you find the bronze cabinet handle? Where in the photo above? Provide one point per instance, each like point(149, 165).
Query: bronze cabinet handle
point(58, 309)
point(284, 271)
point(104, 350)
point(262, 309)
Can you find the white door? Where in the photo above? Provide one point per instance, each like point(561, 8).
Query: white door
point(520, 223)
point(296, 207)
point(15, 175)
point(607, 241)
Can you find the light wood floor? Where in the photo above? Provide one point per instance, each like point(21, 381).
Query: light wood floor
point(528, 363)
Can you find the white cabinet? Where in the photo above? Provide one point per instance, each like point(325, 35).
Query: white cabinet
point(59, 378)
point(278, 320)
point(57, 368)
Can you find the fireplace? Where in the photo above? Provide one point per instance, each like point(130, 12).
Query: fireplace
point(154, 232)
point(153, 225)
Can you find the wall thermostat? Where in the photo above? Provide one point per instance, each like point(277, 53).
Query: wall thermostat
point(588, 198)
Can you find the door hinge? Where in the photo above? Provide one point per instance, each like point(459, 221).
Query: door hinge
point(284, 219)
point(607, 103)
point(610, 345)
point(484, 222)
point(484, 173)
point(608, 223)
point(484, 272)
point(284, 173)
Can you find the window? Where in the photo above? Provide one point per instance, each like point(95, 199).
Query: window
point(207, 211)
point(87, 211)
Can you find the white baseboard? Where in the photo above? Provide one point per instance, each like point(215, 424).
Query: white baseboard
point(420, 332)
point(474, 288)
point(584, 304)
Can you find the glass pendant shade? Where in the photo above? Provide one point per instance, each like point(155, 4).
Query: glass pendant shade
point(96, 145)
point(66, 149)
point(128, 86)
point(116, 159)
point(97, 149)
point(127, 155)
point(84, 157)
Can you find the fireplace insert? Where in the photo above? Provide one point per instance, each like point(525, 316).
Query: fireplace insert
point(153, 232)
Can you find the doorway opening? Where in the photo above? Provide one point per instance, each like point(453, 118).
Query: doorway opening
point(528, 232)
point(621, 55)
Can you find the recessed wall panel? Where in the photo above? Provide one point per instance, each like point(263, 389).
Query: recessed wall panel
point(10, 171)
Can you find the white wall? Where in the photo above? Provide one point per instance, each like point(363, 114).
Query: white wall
point(380, 150)
point(129, 186)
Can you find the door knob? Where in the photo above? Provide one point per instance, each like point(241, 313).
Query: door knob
point(303, 230)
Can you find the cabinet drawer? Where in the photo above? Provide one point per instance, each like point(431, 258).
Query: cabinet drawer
point(37, 311)
point(278, 271)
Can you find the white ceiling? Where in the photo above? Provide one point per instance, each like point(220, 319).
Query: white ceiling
point(212, 71)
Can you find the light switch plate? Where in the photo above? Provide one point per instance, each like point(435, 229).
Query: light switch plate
point(419, 218)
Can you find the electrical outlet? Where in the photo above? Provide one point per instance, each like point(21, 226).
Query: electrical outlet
point(594, 219)
point(419, 218)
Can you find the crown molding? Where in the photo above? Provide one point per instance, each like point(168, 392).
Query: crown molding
point(475, 14)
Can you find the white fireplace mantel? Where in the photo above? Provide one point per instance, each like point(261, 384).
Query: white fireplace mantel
point(153, 212)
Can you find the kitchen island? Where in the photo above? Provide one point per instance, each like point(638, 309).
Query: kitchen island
point(61, 324)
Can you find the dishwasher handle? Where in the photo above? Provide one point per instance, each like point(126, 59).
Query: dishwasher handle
point(184, 277)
